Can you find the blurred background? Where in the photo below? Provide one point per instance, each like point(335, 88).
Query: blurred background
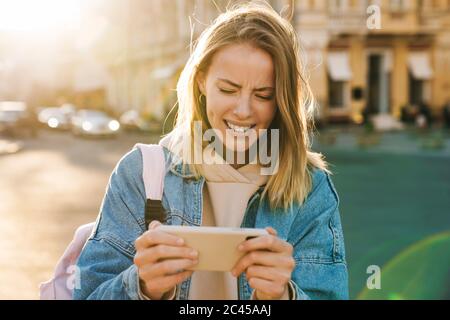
point(82, 81)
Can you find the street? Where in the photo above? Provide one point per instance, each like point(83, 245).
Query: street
point(55, 183)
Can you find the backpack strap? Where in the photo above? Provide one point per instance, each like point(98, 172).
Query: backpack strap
point(153, 173)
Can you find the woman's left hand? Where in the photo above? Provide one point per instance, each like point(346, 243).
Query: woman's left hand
point(268, 265)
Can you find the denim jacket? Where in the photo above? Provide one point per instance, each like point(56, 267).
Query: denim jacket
point(105, 266)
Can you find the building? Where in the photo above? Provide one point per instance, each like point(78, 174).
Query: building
point(376, 55)
point(140, 53)
point(362, 55)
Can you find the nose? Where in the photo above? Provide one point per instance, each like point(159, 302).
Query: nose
point(243, 109)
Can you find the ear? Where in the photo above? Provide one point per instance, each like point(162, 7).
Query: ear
point(201, 79)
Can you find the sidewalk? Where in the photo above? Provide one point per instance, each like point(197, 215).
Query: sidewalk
point(9, 147)
point(435, 142)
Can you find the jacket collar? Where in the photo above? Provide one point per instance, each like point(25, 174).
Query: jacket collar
point(175, 165)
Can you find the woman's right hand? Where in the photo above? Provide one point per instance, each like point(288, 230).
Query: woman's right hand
point(161, 259)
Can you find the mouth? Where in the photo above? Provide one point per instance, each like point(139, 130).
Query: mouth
point(239, 129)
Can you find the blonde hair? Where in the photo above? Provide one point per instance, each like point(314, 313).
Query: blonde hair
point(259, 25)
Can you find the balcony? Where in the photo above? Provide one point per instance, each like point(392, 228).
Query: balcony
point(347, 19)
point(434, 16)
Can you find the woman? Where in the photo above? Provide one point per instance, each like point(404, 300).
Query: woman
point(243, 77)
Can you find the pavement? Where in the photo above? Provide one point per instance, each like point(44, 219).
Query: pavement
point(393, 197)
point(53, 185)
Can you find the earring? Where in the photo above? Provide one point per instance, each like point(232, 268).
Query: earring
point(202, 98)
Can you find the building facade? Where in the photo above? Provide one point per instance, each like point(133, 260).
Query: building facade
point(376, 56)
point(140, 53)
point(362, 56)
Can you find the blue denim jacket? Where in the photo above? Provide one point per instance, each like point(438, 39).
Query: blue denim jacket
point(105, 266)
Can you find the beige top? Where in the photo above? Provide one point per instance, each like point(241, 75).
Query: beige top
point(225, 197)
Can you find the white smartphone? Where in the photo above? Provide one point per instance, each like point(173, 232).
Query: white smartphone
point(217, 246)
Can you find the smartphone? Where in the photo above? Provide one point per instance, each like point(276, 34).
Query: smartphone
point(217, 246)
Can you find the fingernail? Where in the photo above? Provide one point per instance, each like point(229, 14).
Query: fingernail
point(193, 253)
point(195, 261)
point(180, 241)
point(153, 224)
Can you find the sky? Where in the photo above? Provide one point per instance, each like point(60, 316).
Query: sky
point(37, 16)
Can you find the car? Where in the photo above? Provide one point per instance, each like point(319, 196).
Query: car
point(68, 108)
point(134, 121)
point(55, 118)
point(94, 123)
point(17, 119)
point(130, 120)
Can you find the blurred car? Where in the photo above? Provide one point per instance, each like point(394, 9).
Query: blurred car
point(133, 120)
point(94, 123)
point(130, 120)
point(16, 118)
point(56, 117)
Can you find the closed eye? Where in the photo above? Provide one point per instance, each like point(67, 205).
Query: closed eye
point(226, 91)
point(265, 97)
point(268, 98)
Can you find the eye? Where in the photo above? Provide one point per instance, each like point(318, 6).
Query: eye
point(226, 91)
point(268, 98)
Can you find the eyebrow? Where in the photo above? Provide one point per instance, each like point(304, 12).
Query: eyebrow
point(240, 87)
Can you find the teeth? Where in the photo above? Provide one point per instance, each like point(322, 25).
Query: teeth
point(237, 128)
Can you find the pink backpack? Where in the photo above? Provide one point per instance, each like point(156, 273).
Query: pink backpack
point(61, 286)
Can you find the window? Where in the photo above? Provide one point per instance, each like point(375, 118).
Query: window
point(339, 76)
point(336, 93)
point(397, 6)
point(338, 5)
point(416, 92)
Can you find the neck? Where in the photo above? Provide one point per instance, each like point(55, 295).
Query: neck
point(237, 155)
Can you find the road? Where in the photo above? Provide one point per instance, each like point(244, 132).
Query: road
point(392, 196)
point(49, 188)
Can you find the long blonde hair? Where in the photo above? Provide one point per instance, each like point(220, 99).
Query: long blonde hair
point(259, 25)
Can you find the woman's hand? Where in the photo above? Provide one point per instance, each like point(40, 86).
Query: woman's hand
point(161, 259)
point(268, 265)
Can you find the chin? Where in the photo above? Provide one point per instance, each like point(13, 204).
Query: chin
point(241, 144)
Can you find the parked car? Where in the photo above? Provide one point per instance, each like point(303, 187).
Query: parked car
point(94, 123)
point(17, 119)
point(55, 118)
point(130, 120)
point(133, 120)
point(68, 108)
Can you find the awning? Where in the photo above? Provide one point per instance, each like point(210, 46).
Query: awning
point(419, 65)
point(339, 66)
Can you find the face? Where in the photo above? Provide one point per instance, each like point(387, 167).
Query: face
point(240, 94)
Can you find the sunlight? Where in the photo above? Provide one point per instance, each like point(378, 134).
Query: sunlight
point(39, 15)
